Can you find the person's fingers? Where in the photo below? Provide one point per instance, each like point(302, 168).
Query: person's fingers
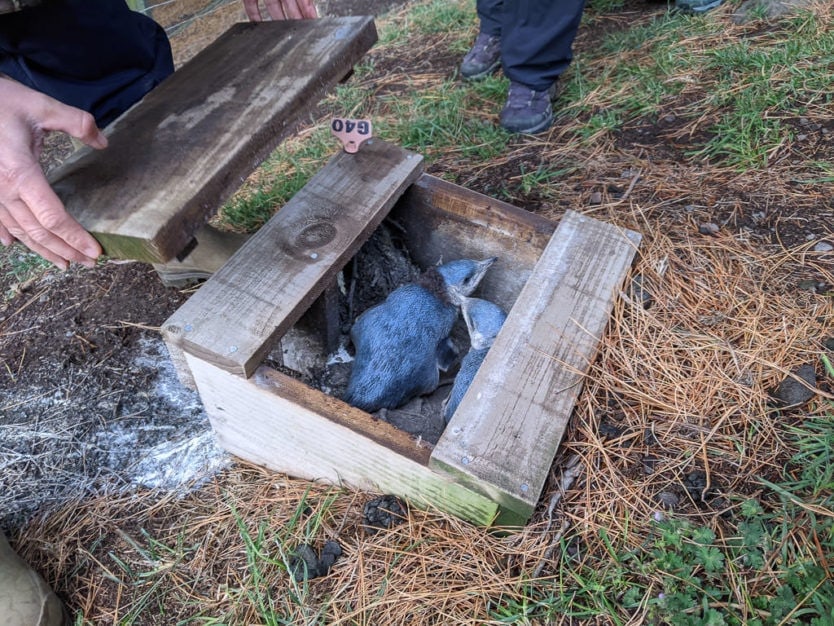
point(45, 223)
point(80, 124)
point(5, 236)
point(18, 232)
point(281, 9)
point(42, 238)
point(253, 11)
point(308, 9)
point(291, 9)
point(276, 9)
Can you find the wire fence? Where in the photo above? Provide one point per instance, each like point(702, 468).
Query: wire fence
point(191, 10)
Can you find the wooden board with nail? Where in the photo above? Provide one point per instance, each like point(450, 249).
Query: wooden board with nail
point(178, 154)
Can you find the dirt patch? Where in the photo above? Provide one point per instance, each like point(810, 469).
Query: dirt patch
point(71, 424)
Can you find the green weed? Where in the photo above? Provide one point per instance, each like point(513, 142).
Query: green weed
point(766, 567)
point(269, 549)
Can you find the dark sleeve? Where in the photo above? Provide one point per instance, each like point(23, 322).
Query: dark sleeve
point(96, 55)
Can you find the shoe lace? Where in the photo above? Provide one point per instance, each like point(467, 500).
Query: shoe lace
point(484, 42)
point(520, 96)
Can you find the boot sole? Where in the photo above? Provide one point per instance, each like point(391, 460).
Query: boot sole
point(532, 130)
point(484, 73)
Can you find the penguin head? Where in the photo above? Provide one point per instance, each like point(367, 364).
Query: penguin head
point(483, 319)
point(462, 276)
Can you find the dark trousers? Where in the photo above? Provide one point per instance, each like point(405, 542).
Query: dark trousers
point(96, 55)
point(536, 37)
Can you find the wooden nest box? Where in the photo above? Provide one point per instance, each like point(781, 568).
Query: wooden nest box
point(491, 462)
point(206, 128)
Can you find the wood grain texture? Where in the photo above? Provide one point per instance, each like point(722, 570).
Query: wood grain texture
point(236, 316)
point(275, 421)
point(444, 221)
point(177, 155)
point(504, 435)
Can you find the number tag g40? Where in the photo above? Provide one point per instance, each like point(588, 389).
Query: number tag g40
point(352, 133)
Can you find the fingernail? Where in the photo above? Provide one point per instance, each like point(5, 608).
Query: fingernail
point(62, 265)
point(89, 263)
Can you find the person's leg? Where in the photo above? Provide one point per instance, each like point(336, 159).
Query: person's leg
point(536, 47)
point(491, 16)
point(25, 599)
point(96, 55)
point(484, 57)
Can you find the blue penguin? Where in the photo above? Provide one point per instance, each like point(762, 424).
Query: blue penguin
point(403, 342)
point(483, 320)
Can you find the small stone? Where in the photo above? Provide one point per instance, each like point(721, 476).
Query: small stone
point(303, 563)
point(696, 486)
point(801, 137)
point(639, 293)
point(803, 121)
point(668, 500)
point(383, 513)
point(829, 344)
point(329, 553)
point(709, 228)
point(607, 430)
point(669, 118)
point(810, 237)
point(791, 392)
point(823, 246)
point(595, 198)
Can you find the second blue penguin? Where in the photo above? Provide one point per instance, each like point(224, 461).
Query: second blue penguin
point(403, 343)
point(483, 320)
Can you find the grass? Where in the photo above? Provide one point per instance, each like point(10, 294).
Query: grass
point(21, 266)
point(737, 100)
point(699, 119)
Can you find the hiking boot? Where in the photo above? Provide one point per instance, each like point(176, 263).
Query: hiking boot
point(697, 6)
point(527, 110)
point(25, 599)
point(214, 248)
point(483, 59)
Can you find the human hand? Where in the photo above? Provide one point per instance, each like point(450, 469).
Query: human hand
point(30, 211)
point(281, 9)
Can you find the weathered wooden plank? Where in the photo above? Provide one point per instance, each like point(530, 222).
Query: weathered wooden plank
point(275, 421)
point(234, 318)
point(503, 437)
point(177, 155)
point(444, 221)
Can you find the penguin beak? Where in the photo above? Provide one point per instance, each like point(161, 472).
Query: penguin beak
point(476, 339)
point(473, 281)
point(465, 305)
point(483, 266)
